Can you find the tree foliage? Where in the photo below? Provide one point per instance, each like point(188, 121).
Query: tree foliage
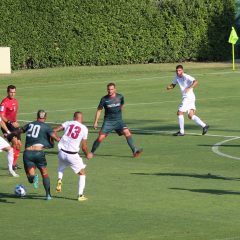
point(87, 32)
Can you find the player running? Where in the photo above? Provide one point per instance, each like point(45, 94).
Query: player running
point(113, 103)
point(75, 134)
point(186, 84)
point(38, 136)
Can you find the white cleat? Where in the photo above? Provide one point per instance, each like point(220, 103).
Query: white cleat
point(13, 174)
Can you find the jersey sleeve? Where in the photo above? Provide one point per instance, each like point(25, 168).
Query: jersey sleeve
point(101, 104)
point(190, 78)
point(65, 125)
point(85, 134)
point(2, 108)
point(25, 127)
point(174, 81)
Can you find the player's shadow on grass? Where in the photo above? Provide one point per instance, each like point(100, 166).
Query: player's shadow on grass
point(209, 191)
point(32, 196)
point(192, 175)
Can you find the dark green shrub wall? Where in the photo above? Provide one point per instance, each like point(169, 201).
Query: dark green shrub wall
point(98, 32)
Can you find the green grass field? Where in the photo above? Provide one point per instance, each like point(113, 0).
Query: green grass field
point(178, 189)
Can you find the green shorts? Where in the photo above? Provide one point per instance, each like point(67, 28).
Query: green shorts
point(108, 126)
point(34, 159)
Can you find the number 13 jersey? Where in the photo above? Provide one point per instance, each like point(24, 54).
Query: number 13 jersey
point(74, 133)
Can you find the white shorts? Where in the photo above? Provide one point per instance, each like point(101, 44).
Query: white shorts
point(3, 143)
point(72, 160)
point(187, 105)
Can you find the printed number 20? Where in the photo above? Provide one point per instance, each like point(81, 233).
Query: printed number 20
point(73, 131)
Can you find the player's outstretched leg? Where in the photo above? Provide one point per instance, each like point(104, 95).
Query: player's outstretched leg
point(136, 151)
point(97, 142)
point(198, 121)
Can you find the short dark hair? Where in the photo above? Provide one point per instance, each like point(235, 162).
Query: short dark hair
point(179, 66)
point(10, 87)
point(111, 84)
point(76, 113)
point(41, 114)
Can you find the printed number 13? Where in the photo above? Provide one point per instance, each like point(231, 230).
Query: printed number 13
point(73, 131)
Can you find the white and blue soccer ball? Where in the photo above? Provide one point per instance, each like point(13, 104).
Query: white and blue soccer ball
point(20, 190)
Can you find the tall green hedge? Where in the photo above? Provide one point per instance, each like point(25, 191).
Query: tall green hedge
point(98, 32)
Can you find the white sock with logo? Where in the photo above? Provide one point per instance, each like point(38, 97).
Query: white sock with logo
point(181, 123)
point(198, 121)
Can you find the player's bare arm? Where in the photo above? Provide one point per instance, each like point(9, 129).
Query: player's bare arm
point(171, 86)
point(55, 137)
point(194, 84)
point(58, 129)
point(3, 125)
point(97, 116)
point(85, 149)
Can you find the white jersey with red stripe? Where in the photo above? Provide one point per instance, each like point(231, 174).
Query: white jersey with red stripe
point(74, 133)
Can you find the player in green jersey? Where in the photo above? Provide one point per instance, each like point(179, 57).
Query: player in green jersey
point(38, 136)
point(113, 103)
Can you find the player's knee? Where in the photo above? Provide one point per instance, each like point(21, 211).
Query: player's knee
point(44, 172)
point(190, 116)
point(101, 138)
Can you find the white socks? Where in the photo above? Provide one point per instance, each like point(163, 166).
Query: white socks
point(81, 184)
point(198, 121)
point(10, 159)
point(181, 123)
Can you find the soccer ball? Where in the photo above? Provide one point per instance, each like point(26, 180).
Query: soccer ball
point(20, 190)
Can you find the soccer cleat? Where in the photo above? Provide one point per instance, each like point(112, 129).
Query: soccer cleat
point(178, 134)
point(48, 197)
point(13, 174)
point(137, 152)
point(59, 186)
point(35, 181)
point(81, 198)
point(205, 129)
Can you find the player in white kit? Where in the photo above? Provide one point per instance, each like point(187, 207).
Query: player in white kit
point(186, 84)
point(75, 134)
point(5, 146)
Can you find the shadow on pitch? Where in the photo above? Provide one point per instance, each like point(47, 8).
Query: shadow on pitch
point(222, 145)
point(192, 175)
point(33, 196)
point(209, 191)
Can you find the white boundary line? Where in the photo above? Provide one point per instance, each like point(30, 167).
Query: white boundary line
point(121, 80)
point(132, 104)
point(215, 148)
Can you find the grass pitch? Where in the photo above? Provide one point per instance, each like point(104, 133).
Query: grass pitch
point(179, 188)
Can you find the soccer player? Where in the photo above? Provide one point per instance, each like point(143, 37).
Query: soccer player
point(75, 134)
point(38, 136)
point(113, 103)
point(186, 84)
point(4, 146)
point(8, 113)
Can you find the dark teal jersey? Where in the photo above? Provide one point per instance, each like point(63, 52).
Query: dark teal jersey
point(112, 106)
point(38, 133)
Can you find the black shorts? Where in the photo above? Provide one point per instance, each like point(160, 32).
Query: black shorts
point(15, 132)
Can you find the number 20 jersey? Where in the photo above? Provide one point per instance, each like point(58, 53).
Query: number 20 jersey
point(74, 133)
